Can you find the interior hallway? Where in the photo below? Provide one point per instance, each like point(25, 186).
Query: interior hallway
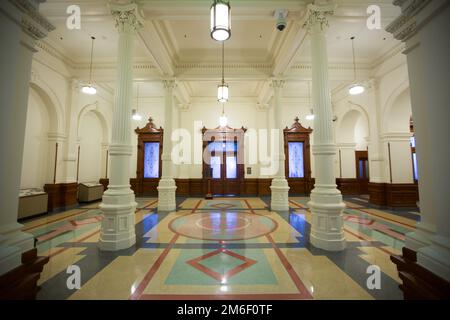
point(226, 248)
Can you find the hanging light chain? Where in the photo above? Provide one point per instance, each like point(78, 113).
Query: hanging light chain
point(137, 98)
point(223, 62)
point(354, 61)
point(90, 66)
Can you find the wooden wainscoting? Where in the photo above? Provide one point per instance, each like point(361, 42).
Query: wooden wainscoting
point(419, 283)
point(402, 195)
point(21, 283)
point(377, 194)
point(183, 188)
point(348, 186)
point(300, 186)
point(196, 187)
point(61, 195)
point(250, 187)
point(394, 195)
point(264, 187)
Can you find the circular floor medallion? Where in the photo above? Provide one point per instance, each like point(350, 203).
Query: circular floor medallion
point(223, 226)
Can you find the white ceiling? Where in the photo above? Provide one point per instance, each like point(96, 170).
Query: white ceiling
point(177, 32)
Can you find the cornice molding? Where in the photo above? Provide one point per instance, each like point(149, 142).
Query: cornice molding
point(236, 65)
point(405, 26)
point(55, 53)
point(33, 23)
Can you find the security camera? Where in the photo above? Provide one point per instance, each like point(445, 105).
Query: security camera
point(281, 24)
point(280, 15)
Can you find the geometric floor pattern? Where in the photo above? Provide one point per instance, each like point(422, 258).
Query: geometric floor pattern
point(225, 248)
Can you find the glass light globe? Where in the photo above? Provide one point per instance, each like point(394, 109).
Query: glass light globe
point(88, 90)
point(222, 93)
point(223, 120)
point(356, 89)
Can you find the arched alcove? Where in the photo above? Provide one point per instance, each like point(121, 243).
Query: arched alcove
point(353, 128)
point(398, 113)
point(91, 134)
point(41, 120)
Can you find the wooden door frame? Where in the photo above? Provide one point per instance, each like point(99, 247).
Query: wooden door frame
point(298, 133)
point(149, 133)
point(225, 134)
point(363, 183)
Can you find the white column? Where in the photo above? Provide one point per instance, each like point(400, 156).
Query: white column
point(279, 189)
point(326, 200)
point(167, 187)
point(21, 26)
point(422, 26)
point(118, 206)
point(183, 171)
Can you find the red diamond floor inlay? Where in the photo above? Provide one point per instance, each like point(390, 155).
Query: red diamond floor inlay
point(218, 276)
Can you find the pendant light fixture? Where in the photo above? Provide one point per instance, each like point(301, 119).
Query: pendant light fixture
point(220, 20)
point(90, 89)
point(222, 89)
point(355, 88)
point(223, 120)
point(310, 116)
point(135, 115)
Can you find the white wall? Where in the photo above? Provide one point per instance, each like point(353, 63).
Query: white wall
point(90, 139)
point(35, 156)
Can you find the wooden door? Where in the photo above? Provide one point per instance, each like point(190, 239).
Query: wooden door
point(223, 167)
point(362, 171)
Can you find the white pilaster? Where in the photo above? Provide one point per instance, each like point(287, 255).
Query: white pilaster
point(397, 146)
point(279, 188)
point(376, 158)
point(69, 160)
point(347, 164)
point(167, 186)
point(21, 26)
point(326, 200)
point(422, 26)
point(118, 206)
point(56, 138)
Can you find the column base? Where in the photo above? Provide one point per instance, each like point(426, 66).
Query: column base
point(327, 227)
point(13, 242)
point(118, 224)
point(279, 195)
point(166, 195)
point(436, 257)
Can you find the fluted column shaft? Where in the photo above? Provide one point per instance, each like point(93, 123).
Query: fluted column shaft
point(166, 186)
point(280, 156)
point(326, 200)
point(167, 169)
point(279, 188)
point(118, 206)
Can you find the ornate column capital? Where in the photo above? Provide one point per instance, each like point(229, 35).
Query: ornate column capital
point(127, 16)
point(170, 84)
point(277, 83)
point(184, 106)
point(316, 20)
